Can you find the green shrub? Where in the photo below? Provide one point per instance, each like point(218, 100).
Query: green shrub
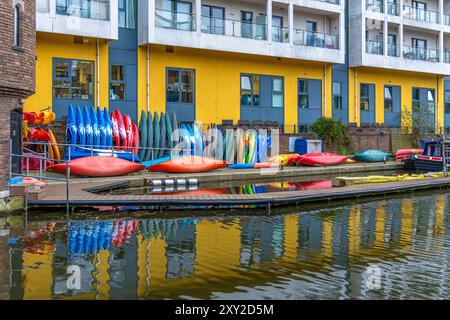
point(334, 134)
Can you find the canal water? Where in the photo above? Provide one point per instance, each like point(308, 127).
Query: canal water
point(395, 248)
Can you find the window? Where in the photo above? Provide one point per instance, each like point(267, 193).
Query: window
point(126, 14)
point(246, 24)
point(16, 41)
point(73, 79)
point(447, 101)
point(277, 92)
point(117, 83)
point(388, 101)
point(364, 99)
point(277, 29)
point(311, 29)
point(249, 90)
point(213, 19)
point(337, 95)
point(303, 99)
point(180, 85)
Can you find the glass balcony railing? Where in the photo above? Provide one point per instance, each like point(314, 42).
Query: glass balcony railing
point(393, 50)
point(234, 28)
point(375, 5)
point(446, 19)
point(42, 6)
point(423, 54)
point(393, 9)
point(280, 34)
point(330, 1)
point(315, 39)
point(175, 20)
point(90, 9)
point(374, 47)
point(420, 14)
point(446, 57)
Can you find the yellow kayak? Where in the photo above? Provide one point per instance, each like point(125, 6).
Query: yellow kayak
point(282, 158)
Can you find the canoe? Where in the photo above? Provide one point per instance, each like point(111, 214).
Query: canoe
point(252, 148)
point(107, 121)
point(143, 135)
point(135, 143)
point(79, 122)
point(127, 124)
point(198, 138)
point(319, 159)
point(88, 126)
point(246, 146)
point(71, 128)
point(39, 117)
point(115, 130)
point(241, 166)
point(262, 146)
point(156, 135)
point(49, 117)
point(282, 158)
point(230, 146)
point(30, 117)
point(54, 146)
point(168, 131)
point(95, 129)
point(125, 155)
point(98, 167)
point(188, 164)
point(101, 127)
point(176, 133)
point(163, 136)
point(149, 163)
point(372, 156)
point(150, 133)
point(240, 145)
point(121, 128)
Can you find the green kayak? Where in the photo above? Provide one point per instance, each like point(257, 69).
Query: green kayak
point(371, 156)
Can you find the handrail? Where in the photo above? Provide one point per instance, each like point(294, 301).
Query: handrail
point(420, 14)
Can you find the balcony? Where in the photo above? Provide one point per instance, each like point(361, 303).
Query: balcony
point(375, 5)
point(374, 47)
point(89, 9)
point(393, 9)
point(420, 14)
point(87, 18)
point(315, 39)
point(393, 50)
point(422, 54)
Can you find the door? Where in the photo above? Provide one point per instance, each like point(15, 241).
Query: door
point(392, 109)
point(180, 93)
point(309, 101)
point(16, 138)
point(419, 48)
point(246, 24)
point(419, 10)
point(277, 29)
point(213, 19)
point(367, 103)
point(311, 29)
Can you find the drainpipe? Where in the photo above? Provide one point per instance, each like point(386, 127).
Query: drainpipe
point(438, 98)
point(148, 78)
point(356, 95)
point(98, 72)
point(325, 88)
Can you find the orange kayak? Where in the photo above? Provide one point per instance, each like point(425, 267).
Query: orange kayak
point(98, 167)
point(188, 164)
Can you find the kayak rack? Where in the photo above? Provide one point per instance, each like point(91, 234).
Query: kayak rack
point(172, 182)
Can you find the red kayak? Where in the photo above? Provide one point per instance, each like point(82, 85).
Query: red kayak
point(122, 132)
point(127, 124)
point(115, 130)
point(98, 167)
point(135, 143)
point(320, 159)
point(188, 164)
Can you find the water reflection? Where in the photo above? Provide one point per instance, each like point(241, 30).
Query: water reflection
point(318, 254)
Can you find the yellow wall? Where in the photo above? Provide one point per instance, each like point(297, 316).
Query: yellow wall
point(218, 80)
point(406, 80)
point(49, 46)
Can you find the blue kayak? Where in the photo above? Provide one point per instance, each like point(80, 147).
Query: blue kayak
point(101, 127)
point(241, 166)
point(79, 122)
point(107, 121)
point(95, 128)
point(88, 127)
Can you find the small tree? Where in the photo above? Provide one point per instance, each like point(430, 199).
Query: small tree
point(334, 134)
point(420, 121)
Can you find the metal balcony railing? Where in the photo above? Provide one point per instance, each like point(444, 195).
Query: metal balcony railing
point(420, 14)
point(423, 54)
point(374, 47)
point(90, 9)
point(446, 19)
point(315, 39)
point(174, 20)
point(280, 34)
point(393, 50)
point(446, 57)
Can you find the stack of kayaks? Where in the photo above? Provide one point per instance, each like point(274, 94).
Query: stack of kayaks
point(372, 156)
point(93, 132)
point(401, 153)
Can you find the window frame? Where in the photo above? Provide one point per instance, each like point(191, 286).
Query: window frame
point(180, 91)
point(16, 26)
point(339, 96)
point(366, 98)
point(391, 99)
point(69, 78)
point(446, 102)
point(252, 90)
point(126, 14)
point(111, 81)
point(273, 78)
point(212, 28)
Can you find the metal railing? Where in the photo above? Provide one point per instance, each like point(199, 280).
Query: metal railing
point(423, 54)
point(174, 20)
point(446, 20)
point(234, 28)
point(315, 39)
point(420, 14)
point(92, 9)
point(330, 1)
point(374, 47)
point(393, 50)
point(280, 34)
point(42, 6)
point(446, 57)
point(375, 5)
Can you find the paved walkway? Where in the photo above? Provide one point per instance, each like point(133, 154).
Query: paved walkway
point(80, 196)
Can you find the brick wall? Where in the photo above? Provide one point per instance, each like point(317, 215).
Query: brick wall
point(17, 69)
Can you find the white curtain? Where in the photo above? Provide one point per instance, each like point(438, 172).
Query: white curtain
point(130, 8)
